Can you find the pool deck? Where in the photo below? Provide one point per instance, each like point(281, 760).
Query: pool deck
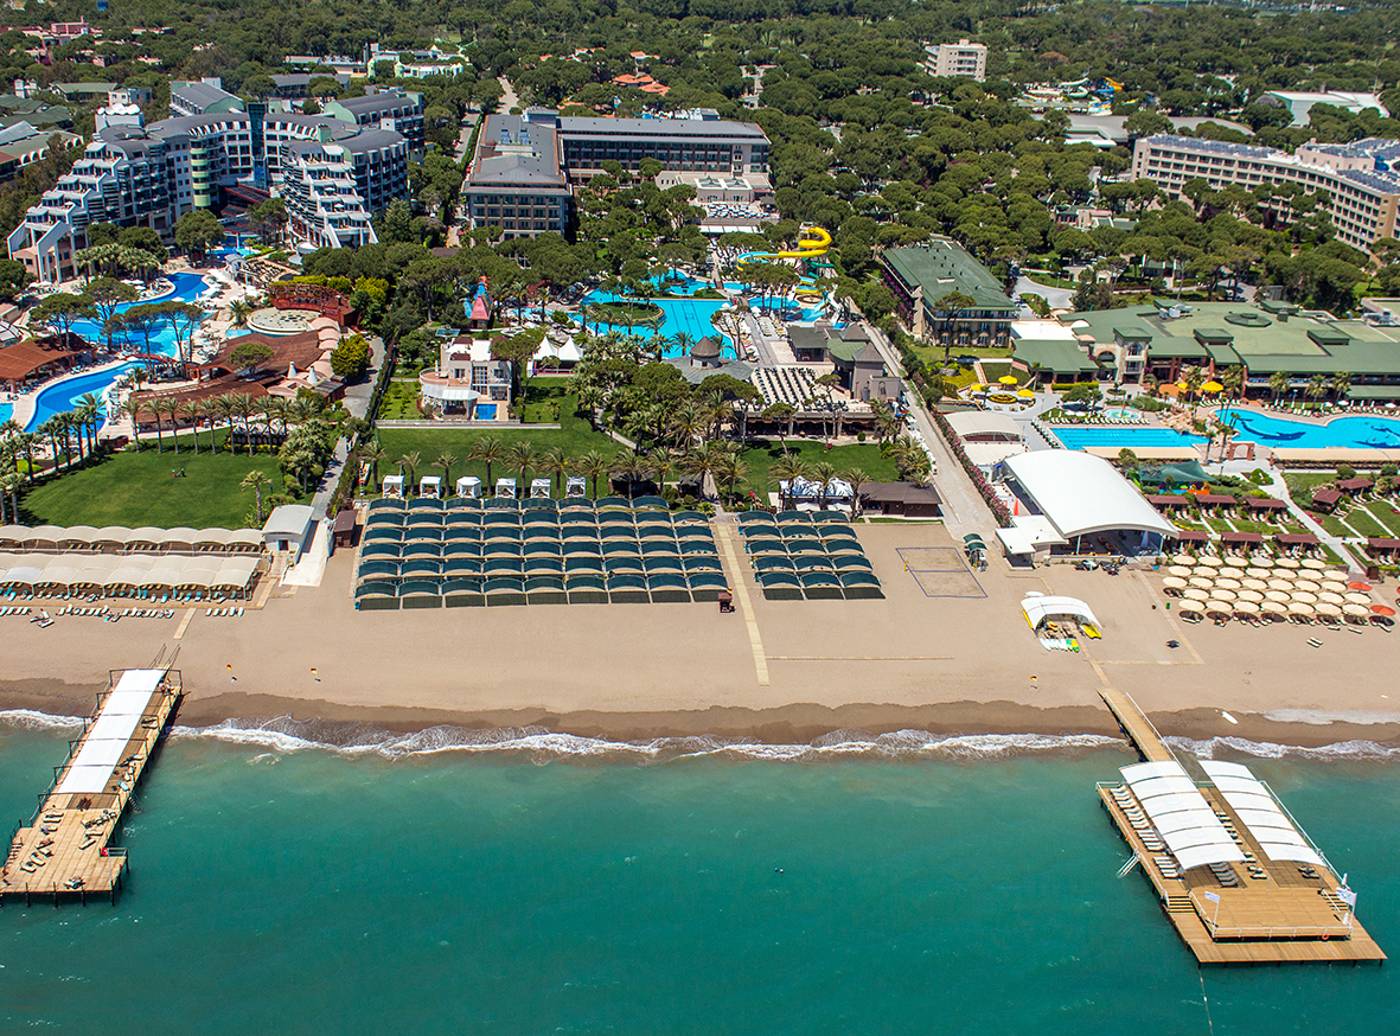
point(24, 405)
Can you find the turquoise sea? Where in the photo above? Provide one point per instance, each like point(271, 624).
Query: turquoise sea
point(871, 892)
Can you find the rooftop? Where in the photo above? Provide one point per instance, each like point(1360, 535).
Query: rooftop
point(940, 266)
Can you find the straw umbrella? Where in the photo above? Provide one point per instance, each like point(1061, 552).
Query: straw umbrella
point(1221, 593)
point(1303, 597)
point(1192, 610)
point(1183, 559)
point(1246, 608)
point(1227, 584)
point(1355, 597)
point(1301, 609)
point(1173, 585)
point(1180, 571)
point(1328, 611)
point(1279, 583)
point(1355, 612)
point(1201, 582)
point(1328, 597)
point(1196, 594)
point(1254, 584)
point(1273, 610)
point(1209, 560)
point(1236, 560)
point(1252, 596)
point(1277, 596)
point(1316, 564)
point(1220, 609)
point(1255, 572)
point(1306, 584)
point(1285, 563)
point(1230, 572)
point(1334, 586)
point(1339, 574)
point(1262, 561)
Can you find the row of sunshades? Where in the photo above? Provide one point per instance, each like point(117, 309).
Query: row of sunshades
point(461, 503)
point(807, 554)
point(477, 591)
point(537, 548)
point(645, 533)
point(558, 519)
point(407, 568)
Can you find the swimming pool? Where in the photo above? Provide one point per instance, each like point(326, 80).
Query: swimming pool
point(690, 316)
point(1080, 437)
point(484, 412)
point(1340, 432)
point(185, 287)
point(62, 396)
point(7, 411)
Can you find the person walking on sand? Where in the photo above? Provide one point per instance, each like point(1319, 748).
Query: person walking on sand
point(232, 678)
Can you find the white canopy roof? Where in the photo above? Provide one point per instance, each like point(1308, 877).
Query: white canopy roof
point(1041, 609)
point(1261, 815)
point(1158, 786)
point(1146, 771)
point(1294, 853)
point(991, 424)
point(1183, 820)
point(1082, 494)
point(104, 744)
point(118, 571)
point(1180, 813)
point(1207, 854)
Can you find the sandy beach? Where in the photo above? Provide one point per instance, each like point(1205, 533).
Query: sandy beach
point(947, 651)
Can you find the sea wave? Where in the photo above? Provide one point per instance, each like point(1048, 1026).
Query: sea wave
point(285, 734)
point(32, 719)
point(1336, 751)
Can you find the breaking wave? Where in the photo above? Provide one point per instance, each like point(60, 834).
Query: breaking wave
point(32, 719)
point(1335, 752)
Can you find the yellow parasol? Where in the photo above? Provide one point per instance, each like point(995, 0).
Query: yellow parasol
point(1008, 379)
point(1024, 394)
point(1212, 387)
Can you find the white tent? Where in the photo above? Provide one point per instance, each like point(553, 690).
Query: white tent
point(469, 486)
point(1040, 610)
point(1082, 494)
point(430, 486)
point(393, 486)
point(540, 488)
point(505, 488)
point(575, 487)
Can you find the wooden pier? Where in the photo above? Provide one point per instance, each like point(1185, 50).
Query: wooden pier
point(1285, 916)
point(64, 850)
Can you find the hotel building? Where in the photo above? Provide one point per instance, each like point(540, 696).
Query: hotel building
point(1360, 188)
point(957, 59)
point(523, 166)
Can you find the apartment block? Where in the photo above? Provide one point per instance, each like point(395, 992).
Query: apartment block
point(1361, 189)
point(963, 58)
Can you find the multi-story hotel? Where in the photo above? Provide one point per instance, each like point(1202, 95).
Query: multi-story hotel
point(333, 176)
point(956, 59)
point(520, 174)
point(1360, 188)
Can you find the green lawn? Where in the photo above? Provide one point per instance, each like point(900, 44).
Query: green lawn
point(865, 456)
point(137, 488)
point(1302, 483)
point(1384, 512)
point(400, 402)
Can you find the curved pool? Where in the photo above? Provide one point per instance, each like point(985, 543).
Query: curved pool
point(185, 287)
point(692, 316)
point(1359, 432)
point(63, 395)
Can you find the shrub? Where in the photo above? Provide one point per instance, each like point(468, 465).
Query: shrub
point(350, 359)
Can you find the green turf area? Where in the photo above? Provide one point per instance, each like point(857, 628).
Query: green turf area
point(547, 400)
point(400, 402)
point(1384, 512)
point(1364, 523)
point(136, 488)
point(865, 456)
point(1302, 483)
point(574, 437)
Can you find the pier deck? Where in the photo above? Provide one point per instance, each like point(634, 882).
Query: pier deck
point(1285, 917)
point(64, 850)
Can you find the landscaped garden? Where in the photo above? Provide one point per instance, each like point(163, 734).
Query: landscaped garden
point(867, 457)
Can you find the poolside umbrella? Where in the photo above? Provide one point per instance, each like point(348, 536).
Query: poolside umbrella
point(1277, 596)
point(1335, 586)
point(1355, 611)
point(1230, 572)
point(1329, 611)
point(1246, 608)
point(1227, 584)
point(1384, 610)
point(1212, 387)
point(1025, 394)
point(1328, 597)
point(1180, 571)
point(1202, 582)
point(1286, 562)
point(1174, 583)
point(1183, 559)
point(1007, 379)
point(1301, 608)
point(1306, 584)
point(1222, 594)
point(1359, 585)
point(1359, 598)
point(1316, 564)
point(1254, 584)
point(1209, 560)
point(1272, 608)
point(1195, 594)
point(1252, 596)
point(1303, 597)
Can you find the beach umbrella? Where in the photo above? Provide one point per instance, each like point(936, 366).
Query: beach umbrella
point(1262, 561)
point(1301, 608)
point(1303, 597)
point(1230, 572)
point(1252, 596)
point(1338, 574)
point(1355, 611)
point(1272, 608)
point(1306, 584)
point(1328, 597)
point(1360, 585)
point(1328, 611)
point(1254, 584)
point(1255, 572)
point(1358, 598)
point(1025, 394)
point(1212, 388)
point(1174, 583)
point(1180, 571)
point(1209, 560)
point(1280, 584)
point(1246, 608)
point(1222, 594)
point(1007, 379)
point(1191, 606)
point(1183, 559)
point(1316, 564)
point(1277, 596)
point(1196, 594)
point(1227, 584)
point(1214, 607)
point(1236, 560)
point(1384, 610)
point(1334, 586)
point(1202, 582)
point(1285, 562)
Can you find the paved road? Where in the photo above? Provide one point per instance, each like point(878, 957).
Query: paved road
point(1058, 298)
point(508, 98)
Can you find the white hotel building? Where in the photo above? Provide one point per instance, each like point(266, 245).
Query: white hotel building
point(1361, 188)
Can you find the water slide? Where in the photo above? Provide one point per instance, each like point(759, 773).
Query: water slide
point(814, 245)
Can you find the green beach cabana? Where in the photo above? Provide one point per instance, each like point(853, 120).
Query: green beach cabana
point(666, 588)
point(546, 589)
point(857, 585)
point(420, 593)
point(587, 589)
point(376, 596)
point(821, 586)
point(707, 586)
point(503, 590)
point(780, 586)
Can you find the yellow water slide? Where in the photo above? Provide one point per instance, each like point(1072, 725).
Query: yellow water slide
point(815, 243)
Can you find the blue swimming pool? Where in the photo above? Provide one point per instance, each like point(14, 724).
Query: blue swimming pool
point(1344, 432)
point(185, 287)
point(7, 411)
point(691, 316)
point(63, 396)
point(484, 412)
point(1080, 437)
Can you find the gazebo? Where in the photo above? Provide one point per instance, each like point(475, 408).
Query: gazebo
point(469, 487)
point(393, 486)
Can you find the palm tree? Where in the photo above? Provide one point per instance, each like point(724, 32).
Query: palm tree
point(223, 408)
point(10, 488)
point(707, 460)
point(409, 464)
point(687, 424)
point(267, 410)
point(521, 455)
point(373, 454)
point(556, 462)
point(1193, 378)
point(661, 465)
point(243, 407)
point(594, 465)
point(171, 408)
point(239, 310)
point(90, 410)
point(446, 460)
point(822, 473)
point(24, 445)
point(191, 411)
point(1340, 383)
point(857, 478)
point(257, 481)
point(785, 469)
point(1316, 387)
point(489, 451)
point(1279, 383)
point(1232, 378)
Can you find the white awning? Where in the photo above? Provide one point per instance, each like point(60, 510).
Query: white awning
point(1146, 771)
point(1040, 610)
point(105, 743)
point(1293, 853)
point(1184, 820)
point(1083, 494)
point(1208, 854)
point(1197, 836)
point(1156, 786)
point(1164, 804)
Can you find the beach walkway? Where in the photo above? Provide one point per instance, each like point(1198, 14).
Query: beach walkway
point(63, 850)
point(1265, 910)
